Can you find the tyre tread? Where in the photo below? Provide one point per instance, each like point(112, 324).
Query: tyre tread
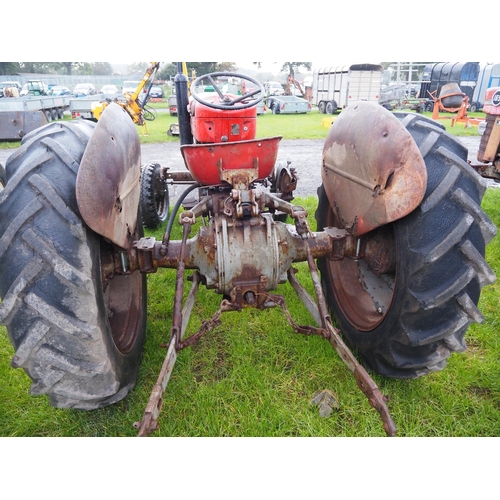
point(49, 303)
point(447, 269)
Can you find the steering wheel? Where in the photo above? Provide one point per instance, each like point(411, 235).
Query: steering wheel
point(227, 101)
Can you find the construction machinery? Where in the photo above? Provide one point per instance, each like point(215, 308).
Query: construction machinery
point(488, 154)
point(134, 102)
point(291, 81)
point(397, 256)
point(451, 100)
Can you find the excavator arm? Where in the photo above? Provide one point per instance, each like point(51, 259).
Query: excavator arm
point(291, 81)
point(132, 104)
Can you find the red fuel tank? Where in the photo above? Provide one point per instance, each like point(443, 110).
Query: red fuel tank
point(213, 125)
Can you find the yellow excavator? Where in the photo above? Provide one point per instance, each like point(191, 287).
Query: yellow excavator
point(133, 103)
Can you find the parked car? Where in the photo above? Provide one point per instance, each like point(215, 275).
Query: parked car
point(16, 85)
point(130, 86)
point(84, 89)
point(156, 92)
point(34, 87)
point(274, 88)
point(59, 90)
point(109, 89)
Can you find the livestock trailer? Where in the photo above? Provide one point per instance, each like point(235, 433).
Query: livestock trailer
point(336, 87)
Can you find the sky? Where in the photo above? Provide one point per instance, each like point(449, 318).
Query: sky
point(326, 34)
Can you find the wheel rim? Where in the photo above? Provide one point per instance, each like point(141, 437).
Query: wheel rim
point(123, 300)
point(364, 296)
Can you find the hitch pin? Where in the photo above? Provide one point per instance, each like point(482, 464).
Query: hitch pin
point(358, 247)
point(123, 261)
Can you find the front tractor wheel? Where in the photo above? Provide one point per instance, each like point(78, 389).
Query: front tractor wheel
point(406, 307)
point(154, 196)
point(77, 329)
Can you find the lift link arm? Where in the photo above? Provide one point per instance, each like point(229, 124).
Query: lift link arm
point(297, 213)
point(363, 379)
point(180, 320)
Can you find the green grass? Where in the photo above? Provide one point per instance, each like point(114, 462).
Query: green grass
point(313, 125)
point(302, 126)
point(253, 376)
point(258, 379)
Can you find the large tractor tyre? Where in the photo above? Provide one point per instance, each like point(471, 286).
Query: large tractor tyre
point(405, 320)
point(154, 196)
point(77, 331)
point(3, 177)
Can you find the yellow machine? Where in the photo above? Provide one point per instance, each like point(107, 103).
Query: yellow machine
point(132, 103)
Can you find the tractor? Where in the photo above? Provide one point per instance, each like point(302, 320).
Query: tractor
point(489, 147)
point(396, 260)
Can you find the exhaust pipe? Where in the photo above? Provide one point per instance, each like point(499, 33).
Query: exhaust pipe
point(181, 91)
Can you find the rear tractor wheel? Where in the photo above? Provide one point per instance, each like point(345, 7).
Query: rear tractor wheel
point(407, 309)
point(77, 330)
point(3, 178)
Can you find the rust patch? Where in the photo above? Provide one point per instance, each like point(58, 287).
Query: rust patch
point(108, 180)
point(373, 172)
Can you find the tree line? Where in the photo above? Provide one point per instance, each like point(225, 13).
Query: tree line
point(57, 68)
point(167, 70)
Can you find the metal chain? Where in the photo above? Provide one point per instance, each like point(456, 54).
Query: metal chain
point(279, 300)
point(206, 326)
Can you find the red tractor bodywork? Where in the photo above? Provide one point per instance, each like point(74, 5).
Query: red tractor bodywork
point(214, 125)
point(226, 145)
point(210, 164)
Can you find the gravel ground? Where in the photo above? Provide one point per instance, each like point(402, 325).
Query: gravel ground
point(304, 155)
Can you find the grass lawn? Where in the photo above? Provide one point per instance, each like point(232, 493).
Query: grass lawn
point(252, 376)
point(313, 125)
